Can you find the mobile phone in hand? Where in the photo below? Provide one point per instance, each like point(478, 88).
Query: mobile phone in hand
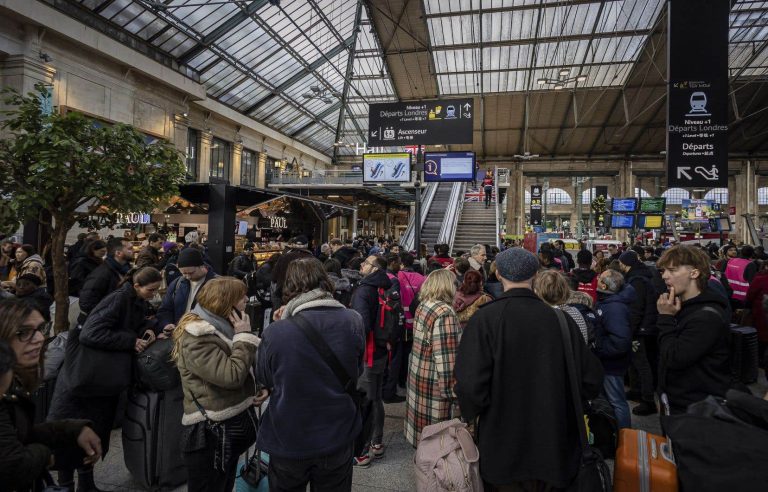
point(147, 337)
point(237, 312)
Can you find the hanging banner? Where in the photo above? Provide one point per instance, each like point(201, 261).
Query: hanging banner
point(441, 121)
point(697, 93)
point(536, 205)
point(600, 215)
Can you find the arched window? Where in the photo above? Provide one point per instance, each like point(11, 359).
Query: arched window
point(558, 196)
point(641, 193)
point(719, 195)
point(585, 196)
point(675, 196)
point(762, 196)
point(527, 197)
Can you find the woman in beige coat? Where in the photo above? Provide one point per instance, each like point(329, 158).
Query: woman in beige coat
point(215, 352)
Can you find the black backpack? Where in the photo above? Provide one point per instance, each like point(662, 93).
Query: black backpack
point(390, 322)
point(154, 369)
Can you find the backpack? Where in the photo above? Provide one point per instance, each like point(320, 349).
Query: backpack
point(390, 323)
point(590, 318)
point(447, 459)
point(154, 369)
point(603, 426)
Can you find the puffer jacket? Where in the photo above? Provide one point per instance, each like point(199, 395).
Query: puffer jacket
point(643, 312)
point(99, 284)
point(25, 448)
point(216, 371)
point(613, 341)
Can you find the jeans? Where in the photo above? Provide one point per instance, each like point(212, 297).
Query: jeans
point(613, 387)
point(641, 372)
point(331, 473)
point(488, 190)
point(372, 382)
point(392, 374)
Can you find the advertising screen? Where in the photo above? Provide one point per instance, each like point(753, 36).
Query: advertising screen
point(653, 205)
point(650, 221)
point(624, 205)
point(449, 166)
point(622, 221)
point(387, 168)
point(699, 210)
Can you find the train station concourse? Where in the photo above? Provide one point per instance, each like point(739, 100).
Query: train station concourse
point(496, 216)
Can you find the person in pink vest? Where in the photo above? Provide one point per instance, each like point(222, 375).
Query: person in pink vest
point(410, 285)
point(739, 272)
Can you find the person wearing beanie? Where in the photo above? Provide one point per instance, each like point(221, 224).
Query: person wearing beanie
point(519, 334)
point(180, 297)
point(583, 278)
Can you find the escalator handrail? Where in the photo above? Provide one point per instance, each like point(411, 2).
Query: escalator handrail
point(453, 212)
point(426, 202)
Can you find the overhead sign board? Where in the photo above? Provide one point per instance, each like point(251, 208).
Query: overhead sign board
point(697, 93)
point(536, 194)
point(449, 166)
point(443, 121)
point(387, 168)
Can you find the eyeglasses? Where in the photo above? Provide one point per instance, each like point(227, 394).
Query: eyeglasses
point(27, 333)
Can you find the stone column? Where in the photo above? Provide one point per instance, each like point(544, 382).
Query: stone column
point(516, 200)
point(744, 199)
point(237, 160)
point(204, 158)
point(261, 172)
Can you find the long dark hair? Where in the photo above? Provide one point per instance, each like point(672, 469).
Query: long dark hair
point(13, 313)
point(303, 275)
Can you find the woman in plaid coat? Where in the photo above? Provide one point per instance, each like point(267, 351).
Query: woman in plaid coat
point(436, 333)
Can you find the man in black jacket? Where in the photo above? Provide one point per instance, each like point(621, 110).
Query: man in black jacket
point(150, 254)
point(693, 331)
point(102, 281)
point(642, 317)
point(365, 300)
point(242, 264)
point(511, 372)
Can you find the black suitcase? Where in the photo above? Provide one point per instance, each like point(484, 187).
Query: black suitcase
point(744, 354)
point(152, 444)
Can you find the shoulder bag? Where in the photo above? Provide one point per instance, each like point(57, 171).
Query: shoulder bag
point(593, 474)
point(363, 405)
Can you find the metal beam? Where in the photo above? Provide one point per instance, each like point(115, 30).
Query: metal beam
point(517, 8)
point(347, 84)
point(645, 128)
point(301, 74)
point(222, 30)
point(544, 67)
point(372, 4)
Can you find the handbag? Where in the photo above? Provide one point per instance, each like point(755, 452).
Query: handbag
point(363, 405)
point(95, 372)
point(233, 436)
point(155, 371)
point(593, 474)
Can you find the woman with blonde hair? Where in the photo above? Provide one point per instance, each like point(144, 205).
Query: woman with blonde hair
point(214, 351)
point(436, 334)
point(552, 287)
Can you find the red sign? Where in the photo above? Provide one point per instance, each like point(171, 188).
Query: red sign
point(732, 211)
point(412, 149)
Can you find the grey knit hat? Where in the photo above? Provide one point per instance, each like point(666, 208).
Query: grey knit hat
point(517, 264)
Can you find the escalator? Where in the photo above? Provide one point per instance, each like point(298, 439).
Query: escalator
point(434, 221)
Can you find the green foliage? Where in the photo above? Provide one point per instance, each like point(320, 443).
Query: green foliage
point(65, 164)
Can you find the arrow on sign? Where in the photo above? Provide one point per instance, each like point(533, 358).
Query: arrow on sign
point(467, 107)
point(374, 132)
point(682, 171)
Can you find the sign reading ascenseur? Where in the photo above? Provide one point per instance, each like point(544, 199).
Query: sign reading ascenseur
point(445, 121)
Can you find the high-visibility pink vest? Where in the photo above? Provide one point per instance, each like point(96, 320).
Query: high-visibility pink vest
point(734, 272)
point(410, 285)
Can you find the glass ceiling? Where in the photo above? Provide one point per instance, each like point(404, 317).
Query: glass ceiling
point(264, 60)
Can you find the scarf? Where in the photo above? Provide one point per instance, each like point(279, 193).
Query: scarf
point(307, 300)
point(222, 325)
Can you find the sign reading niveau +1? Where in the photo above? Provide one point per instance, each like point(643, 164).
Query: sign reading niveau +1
point(697, 97)
point(446, 121)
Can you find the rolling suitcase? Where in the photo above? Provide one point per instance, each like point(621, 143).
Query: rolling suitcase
point(744, 354)
point(152, 444)
point(644, 463)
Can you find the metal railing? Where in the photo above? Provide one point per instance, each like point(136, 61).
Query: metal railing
point(497, 206)
point(452, 214)
point(428, 193)
point(502, 175)
point(319, 177)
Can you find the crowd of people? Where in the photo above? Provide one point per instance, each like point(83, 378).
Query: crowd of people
point(449, 335)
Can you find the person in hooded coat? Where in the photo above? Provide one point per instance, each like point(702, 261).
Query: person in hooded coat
point(583, 278)
point(469, 297)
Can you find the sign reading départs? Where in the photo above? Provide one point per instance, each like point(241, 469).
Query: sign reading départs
point(437, 122)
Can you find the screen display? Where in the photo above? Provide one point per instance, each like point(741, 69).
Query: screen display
point(650, 221)
point(653, 205)
point(625, 205)
point(387, 168)
point(622, 221)
point(242, 228)
point(449, 166)
point(699, 210)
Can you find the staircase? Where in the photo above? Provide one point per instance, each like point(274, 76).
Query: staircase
point(435, 215)
point(477, 225)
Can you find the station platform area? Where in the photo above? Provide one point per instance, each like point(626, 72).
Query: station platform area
point(392, 473)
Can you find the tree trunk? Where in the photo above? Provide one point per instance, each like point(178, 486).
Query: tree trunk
point(60, 277)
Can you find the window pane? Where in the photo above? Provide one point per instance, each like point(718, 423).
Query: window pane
point(193, 142)
point(221, 155)
point(249, 165)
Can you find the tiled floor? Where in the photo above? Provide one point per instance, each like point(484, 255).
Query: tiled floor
point(393, 472)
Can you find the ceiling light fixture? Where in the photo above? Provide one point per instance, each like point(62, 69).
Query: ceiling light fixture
point(562, 80)
point(321, 93)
